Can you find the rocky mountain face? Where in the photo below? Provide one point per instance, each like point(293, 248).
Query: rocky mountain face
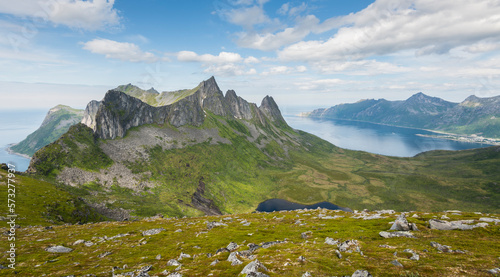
point(473, 116)
point(57, 122)
point(103, 150)
point(118, 111)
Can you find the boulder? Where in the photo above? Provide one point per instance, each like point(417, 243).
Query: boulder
point(58, 249)
point(152, 232)
point(253, 267)
point(396, 234)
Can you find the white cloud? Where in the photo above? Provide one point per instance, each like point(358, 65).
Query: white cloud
point(224, 64)
point(387, 27)
point(223, 57)
point(482, 47)
point(283, 10)
point(124, 51)
point(322, 84)
point(88, 15)
point(252, 59)
point(247, 17)
point(361, 67)
point(269, 41)
point(281, 70)
point(229, 69)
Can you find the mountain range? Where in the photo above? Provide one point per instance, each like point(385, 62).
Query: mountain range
point(210, 153)
point(480, 116)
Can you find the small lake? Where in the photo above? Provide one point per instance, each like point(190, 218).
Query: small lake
point(276, 204)
point(375, 138)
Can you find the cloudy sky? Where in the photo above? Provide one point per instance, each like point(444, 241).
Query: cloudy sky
point(310, 53)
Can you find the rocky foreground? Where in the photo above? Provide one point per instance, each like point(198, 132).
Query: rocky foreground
point(289, 243)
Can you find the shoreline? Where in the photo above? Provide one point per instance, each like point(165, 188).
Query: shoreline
point(12, 152)
point(485, 140)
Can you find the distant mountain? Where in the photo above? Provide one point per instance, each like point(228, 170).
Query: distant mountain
point(56, 122)
point(210, 153)
point(475, 115)
point(153, 97)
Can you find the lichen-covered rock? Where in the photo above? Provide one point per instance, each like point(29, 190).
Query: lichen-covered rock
point(58, 249)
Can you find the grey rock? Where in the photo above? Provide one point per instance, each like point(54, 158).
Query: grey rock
point(488, 219)
point(80, 241)
point(257, 274)
point(401, 224)
point(361, 273)
point(104, 254)
point(158, 257)
point(454, 225)
point(152, 232)
point(213, 224)
point(146, 268)
point(271, 243)
point(301, 259)
point(254, 266)
point(339, 255)
point(494, 271)
point(306, 235)
point(58, 249)
point(90, 114)
point(344, 246)
point(221, 250)
point(173, 262)
point(331, 241)
point(175, 274)
point(183, 256)
point(396, 234)
point(88, 243)
point(232, 246)
point(440, 247)
point(396, 263)
point(216, 261)
point(307, 274)
point(415, 256)
point(233, 258)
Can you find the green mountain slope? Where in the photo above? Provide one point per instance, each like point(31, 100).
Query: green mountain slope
point(225, 164)
point(474, 115)
point(42, 203)
point(56, 122)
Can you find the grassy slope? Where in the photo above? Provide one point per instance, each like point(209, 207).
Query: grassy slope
point(238, 176)
point(42, 203)
point(49, 132)
point(195, 239)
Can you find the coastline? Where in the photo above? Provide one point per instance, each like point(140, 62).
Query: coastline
point(12, 152)
point(448, 136)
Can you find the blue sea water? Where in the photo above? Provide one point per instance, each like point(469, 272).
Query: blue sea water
point(375, 138)
point(386, 140)
point(16, 125)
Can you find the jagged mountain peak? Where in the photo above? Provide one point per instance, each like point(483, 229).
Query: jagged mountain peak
point(120, 111)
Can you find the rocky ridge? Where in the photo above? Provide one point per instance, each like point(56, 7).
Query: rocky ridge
point(118, 111)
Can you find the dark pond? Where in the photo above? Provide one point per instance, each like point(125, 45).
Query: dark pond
point(273, 205)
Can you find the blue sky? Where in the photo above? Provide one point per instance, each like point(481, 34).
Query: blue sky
point(310, 53)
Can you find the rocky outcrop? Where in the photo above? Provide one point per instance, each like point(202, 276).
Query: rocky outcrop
point(120, 111)
point(271, 110)
point(90, 113)
point(203, 204)
point(238, 106)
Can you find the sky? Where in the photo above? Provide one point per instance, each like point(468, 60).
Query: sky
point(316, 53)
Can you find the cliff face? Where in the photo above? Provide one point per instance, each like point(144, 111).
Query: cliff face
point(119, 111)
